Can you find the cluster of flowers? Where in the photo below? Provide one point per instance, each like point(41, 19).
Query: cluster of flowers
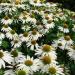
point(19, 64)
point(34, 19)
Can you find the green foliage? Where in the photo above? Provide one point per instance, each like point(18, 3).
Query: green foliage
point(39, 73)
point(6, 44)
point(1, 72)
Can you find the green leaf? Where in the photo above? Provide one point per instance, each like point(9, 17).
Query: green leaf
point(1, 72)
point(5, 44)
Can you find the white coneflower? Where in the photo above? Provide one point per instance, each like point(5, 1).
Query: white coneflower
point(18, 56)
point(44, 21)
point(54, 70)
point(50, 25)
point(30, 64)
point(51, 4)
point(67, 39)
point(49, 17)
point(71, 52)
point(32, 44)
point(35, 2)
point(61, 15)
point(26, 28)
point(2, 36)
point(47, 60)
point(22, 18)
point(32, 20)
point(45, 50)
point(17, 2)
point(34, 35)
point(5, 57)
point(42, 29)
point(6, 20)
point(6, 28)
point(59, 43)
point(11, 34)
point(24, 37)
point(10, 9)
point(9, 72)
point(16, 43)
point(17, 72)
point(21, 6)
point(64, 28)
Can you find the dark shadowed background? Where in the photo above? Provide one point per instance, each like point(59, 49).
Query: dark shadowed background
point(69, 4)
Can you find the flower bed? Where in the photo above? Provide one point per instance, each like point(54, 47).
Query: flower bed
point(36, 38)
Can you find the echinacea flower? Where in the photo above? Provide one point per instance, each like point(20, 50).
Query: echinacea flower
point(71, 52)
point(2, 36)
point(26, 28)
point(48, 59)
point(35, 2)
point(32, 20)
point(11, 34)
point(45, 50)
point(50, 25)
point(6, 20)
point(30, 64)
point(16, 43)
point(6, 28)
point(54, 70)
point(9, 72)
point(18, 56)
point(49, 17)
point(5, 57)
point(34, 35)
point(64, 28)
point(67, 39)
point(24, 37)
point(32, 44)
point(59, 44)
point(17, 72)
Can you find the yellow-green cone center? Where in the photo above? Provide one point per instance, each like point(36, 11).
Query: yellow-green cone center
point(65, 26)
point(49, 21)
point(34, 32)
point(28, 63)
point(15, 17)
point(46, 59)
point(67, 38)
point(1, 54)
point(52, 70)
point(33, 42)
point(73, 47)
point(47, 17)
point(25, 34)
point(32, 16)
point(14, 53)
point(59, 44)
point(5, 26)
point(12, 32)
point(6, 17)
point(16, 41)
point(17, 2)
point(35, 1)
point(46, 48)
point(21, 72)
